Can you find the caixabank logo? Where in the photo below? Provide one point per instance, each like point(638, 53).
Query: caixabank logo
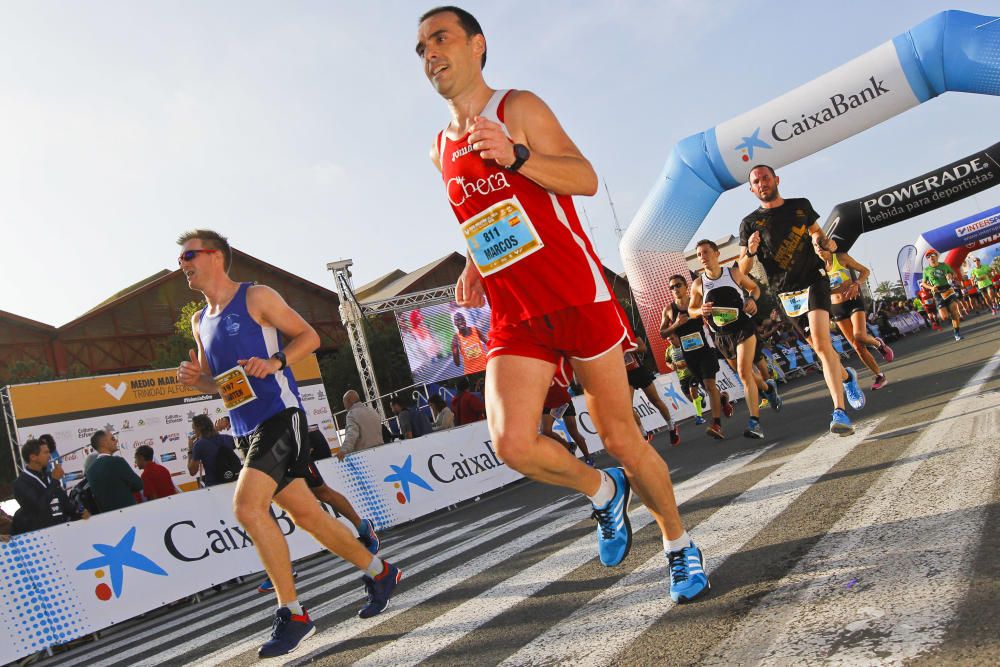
point(745, 148)
point(111, 563)
point(403, 477)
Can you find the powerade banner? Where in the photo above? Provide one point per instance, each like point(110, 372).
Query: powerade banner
point(927, 192)
point(144, 408)
point(71, 580)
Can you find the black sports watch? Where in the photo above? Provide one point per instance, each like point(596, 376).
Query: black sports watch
point(280, 356)
point(521, 155)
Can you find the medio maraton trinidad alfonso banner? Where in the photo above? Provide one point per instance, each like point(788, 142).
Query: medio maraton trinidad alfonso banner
point(144, 408)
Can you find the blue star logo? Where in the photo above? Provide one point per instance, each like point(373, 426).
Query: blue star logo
point(749, 143)
point(405, 476)
point(671, 393)
point(116, 558)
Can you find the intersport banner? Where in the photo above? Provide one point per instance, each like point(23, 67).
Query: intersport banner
point(74, 579)
point(916, 196)
point(144, 408)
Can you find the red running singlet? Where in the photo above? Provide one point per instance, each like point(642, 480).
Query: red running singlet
point(527, 242)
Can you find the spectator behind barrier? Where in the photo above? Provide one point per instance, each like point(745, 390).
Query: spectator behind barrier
point(204, 448)
point(111, 477)
point(156, 480)
point(444, 418)
point(363, 428)
point(42, 500)
point(413, 423)
point(466, 406)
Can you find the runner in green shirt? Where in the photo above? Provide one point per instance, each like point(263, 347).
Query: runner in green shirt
point(937, 279)
point(984, 281)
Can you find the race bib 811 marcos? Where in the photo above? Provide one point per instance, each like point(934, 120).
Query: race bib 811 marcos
point(500, 236)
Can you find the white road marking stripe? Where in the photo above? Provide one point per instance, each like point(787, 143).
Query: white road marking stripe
point(243, 615)
point(355, 597)
point(316, 569)
point(597, 632)
point(451, 626)
point(885, 581)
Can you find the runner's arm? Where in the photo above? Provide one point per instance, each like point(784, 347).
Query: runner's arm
point(744, 281)
point(268, 309)
point(694, 305)
point(666, 320)
point(195, 372)
point(556, 163)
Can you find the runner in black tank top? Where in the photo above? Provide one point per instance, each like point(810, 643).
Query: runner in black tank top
point(717, 295)
point(698, 354)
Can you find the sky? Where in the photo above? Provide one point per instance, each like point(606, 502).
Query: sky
point(301, 130)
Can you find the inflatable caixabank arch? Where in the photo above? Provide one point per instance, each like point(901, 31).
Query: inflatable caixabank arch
point(951, 51)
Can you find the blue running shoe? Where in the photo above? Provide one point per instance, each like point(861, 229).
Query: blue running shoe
point(841, 423)
point(379, 590)
point(698, 421)
point(367, 536)
point(614, 532)
point(287, 632)
point(855, 397)
point(687, 574)
point(753, 429)
point(267, 587)
point(772, 395)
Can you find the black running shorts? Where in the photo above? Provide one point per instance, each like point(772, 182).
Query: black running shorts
point(640, 377)
point(279, 447)
point(844, 309)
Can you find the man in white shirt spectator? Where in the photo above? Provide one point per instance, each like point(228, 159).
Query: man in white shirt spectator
point(364, 426)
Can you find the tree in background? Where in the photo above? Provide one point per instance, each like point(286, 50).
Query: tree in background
point(891, 290)
point(174, 350)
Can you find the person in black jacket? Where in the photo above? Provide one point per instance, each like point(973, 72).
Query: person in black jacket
point(40, 496)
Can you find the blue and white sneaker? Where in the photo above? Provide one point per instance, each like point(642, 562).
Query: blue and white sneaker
point(841, 423)
point(772, 395)
point(698, 421)
point(287, 632)
point(614, 532)
point(753, 429)
point(855, 397)
point(687, 574)
point(367, 536)
point(379, 590)
point(267, 587)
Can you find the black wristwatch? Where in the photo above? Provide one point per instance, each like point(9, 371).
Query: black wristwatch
point(280, 356)
point(521, 155)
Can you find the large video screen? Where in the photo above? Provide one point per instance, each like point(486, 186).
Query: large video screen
point(445, 340)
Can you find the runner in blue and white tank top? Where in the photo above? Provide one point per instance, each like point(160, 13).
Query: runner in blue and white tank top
point(240, 356)
point(234, 335)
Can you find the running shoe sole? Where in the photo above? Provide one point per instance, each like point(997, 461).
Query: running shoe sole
point(718, 435)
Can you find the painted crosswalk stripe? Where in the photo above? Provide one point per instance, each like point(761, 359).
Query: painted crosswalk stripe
point(894, 566)
point(558, 510)
point(597, 632)
point(504, 596)
point(255, 612)
point(426, 640)
point(318, 569)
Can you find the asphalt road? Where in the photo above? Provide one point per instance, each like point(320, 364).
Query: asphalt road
point(879, 548)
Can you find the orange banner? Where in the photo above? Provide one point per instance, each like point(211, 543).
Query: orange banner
point(115, 391)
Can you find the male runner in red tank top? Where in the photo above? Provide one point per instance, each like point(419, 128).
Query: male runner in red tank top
point(510, 172)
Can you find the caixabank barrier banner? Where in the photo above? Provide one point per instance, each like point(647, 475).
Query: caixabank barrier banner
point(144, 408)
point(74, 579)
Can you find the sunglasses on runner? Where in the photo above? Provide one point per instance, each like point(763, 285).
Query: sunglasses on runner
point(189, 255)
